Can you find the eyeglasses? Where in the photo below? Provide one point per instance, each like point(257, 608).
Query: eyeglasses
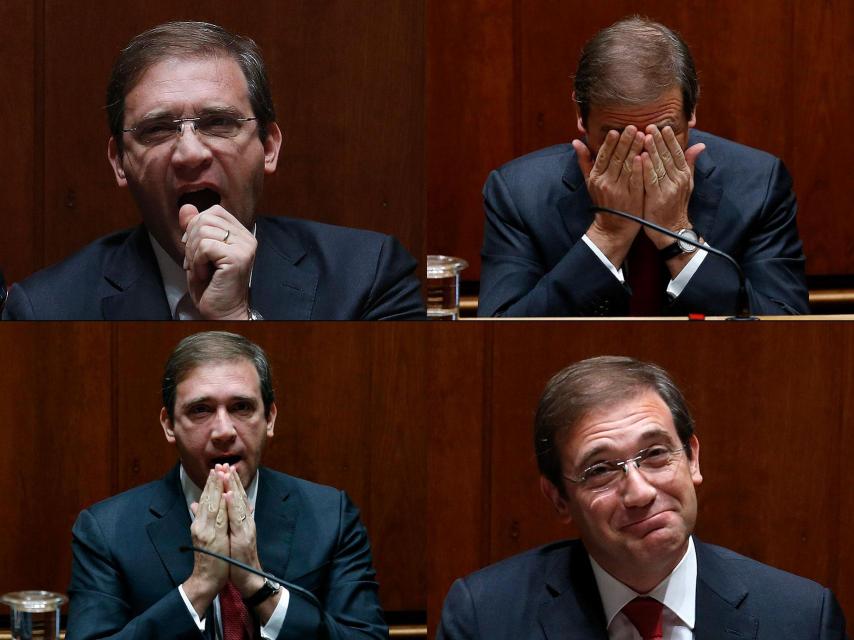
point(156, 131)
point(653, 461)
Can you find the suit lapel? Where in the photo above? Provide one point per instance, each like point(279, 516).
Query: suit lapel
point(172, 528)
point(276, 512)
point(283, 285)
point(719, 596)
point(574, 611)
point(574, 206)
point(132, 288)
point(706, 197)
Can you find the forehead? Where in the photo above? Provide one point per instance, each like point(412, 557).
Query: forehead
point(667, 109)
point(182, 86)
point(618, 428)
point(221, 378)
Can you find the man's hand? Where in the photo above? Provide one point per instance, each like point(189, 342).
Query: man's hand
point(209, 531)
point(668, 178)
point(218, 256)
point(614, 180)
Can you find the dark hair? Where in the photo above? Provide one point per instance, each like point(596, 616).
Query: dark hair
point(187, 40)
point(214, 346)
point(634, 61)
point(591, 384)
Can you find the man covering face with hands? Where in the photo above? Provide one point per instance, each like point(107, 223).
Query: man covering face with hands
point(193, 137)
point(546, 254)
point(129, 578)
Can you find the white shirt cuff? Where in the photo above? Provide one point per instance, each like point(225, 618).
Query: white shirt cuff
point(618, 273)
point(271, 630)
point(678, 284)
point(199, 622)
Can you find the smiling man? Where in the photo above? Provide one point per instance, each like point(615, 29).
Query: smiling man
point(129, 579)
point(546, 254)
point(193, 135)
point(618, 457)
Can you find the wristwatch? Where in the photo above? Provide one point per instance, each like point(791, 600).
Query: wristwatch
point(262, 594)
point(679, 247)
point(254, 315)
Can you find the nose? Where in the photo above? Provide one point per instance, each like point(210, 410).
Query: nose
point(637, 490)
point(190, 151)
point(223, 429)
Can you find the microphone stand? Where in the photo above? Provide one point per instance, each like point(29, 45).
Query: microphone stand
point(742, 300)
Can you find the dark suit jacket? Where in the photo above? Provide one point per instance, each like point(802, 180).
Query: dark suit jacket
point(550, 593)
point(303, 271)
point(534, 263)
point(127, 567)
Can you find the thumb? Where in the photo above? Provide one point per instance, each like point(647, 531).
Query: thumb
point(691, 154)
point(186, 215)
point(585, 158)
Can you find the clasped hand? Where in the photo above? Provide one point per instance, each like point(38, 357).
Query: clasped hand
point(224, 524)
point(218, 256)
point(646, 174)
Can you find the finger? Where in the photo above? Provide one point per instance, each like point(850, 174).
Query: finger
point(238, 515)
point(585, 159)
point(202, 506)
point(634, 151)
point(621, 152)
point(603, 158)
point(636, 177)
point(674, 148)
point(692, 153)
point(650, 177)
point(652, 149)
point(186, 214)
point(237, 484)
point(667, 165)
point(222, 512)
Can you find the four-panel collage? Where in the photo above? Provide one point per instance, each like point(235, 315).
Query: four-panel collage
point(446, 319)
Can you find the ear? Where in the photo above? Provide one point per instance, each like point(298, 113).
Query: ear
point(166, 423)
point(694, 463)
point(271, 147)
point(115, 159)
point(271, 420)
point(560, 503)
point(693, 121)
point(578, 121)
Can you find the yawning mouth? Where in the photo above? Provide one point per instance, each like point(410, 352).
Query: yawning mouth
point(232, 460)
point(202, 200)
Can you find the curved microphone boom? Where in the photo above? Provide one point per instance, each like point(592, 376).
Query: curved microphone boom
point(742, 311)
point(305, 593)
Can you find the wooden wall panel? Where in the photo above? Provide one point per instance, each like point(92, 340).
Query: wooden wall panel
point(772, 403)
point(347, 77)
point(56, 409)
point(770, 79)
point(21, 214)
point(85, 426)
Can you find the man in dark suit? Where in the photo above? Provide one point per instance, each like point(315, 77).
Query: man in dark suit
point(193, 134)
point(129, 579)
point(545, 254)
point(617, 455)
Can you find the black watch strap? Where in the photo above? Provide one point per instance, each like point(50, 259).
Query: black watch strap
point(670, 251)
point(262, 594)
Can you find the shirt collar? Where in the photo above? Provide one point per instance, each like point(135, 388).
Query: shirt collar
point(173, 275)
point(677, 591)
point(192, 493)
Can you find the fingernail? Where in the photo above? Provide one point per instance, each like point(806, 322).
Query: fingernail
point(184, 237)
point(185, 264)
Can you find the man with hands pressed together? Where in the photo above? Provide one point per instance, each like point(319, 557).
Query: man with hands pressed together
point(546, 254)
point(131, 580)
point(193, 136)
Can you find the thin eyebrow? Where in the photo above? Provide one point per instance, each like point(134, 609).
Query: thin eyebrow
point(164, 114)
point(646, 437)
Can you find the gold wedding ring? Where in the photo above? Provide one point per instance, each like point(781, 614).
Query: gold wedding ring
point(243, 517)
point(227, 233)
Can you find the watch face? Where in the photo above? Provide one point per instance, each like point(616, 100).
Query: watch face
point(690, 234)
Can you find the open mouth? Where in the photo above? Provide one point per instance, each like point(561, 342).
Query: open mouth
point(232, 460)
point(202, 200)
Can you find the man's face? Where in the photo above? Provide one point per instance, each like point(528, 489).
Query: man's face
point(219, 417)
point(665, 111)
point(641, 525)
point(158, 176)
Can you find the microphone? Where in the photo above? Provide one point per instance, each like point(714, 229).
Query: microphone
point(305, 593)
point(742, 304)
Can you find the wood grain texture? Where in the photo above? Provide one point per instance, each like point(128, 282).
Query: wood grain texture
point(347, 78)
point(770, 74)
point(771, 402)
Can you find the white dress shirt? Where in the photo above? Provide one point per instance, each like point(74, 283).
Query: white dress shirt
point(674, 287)
point(269, 631)
point(677, 592)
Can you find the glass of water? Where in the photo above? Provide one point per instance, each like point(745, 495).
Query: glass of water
point(443, 287)
point(35, 614)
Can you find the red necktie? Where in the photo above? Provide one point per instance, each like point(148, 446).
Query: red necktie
point(644, 277)
point(645, 614)
point(237, 623)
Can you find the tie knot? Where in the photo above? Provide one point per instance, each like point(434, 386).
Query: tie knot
point(645, 614)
